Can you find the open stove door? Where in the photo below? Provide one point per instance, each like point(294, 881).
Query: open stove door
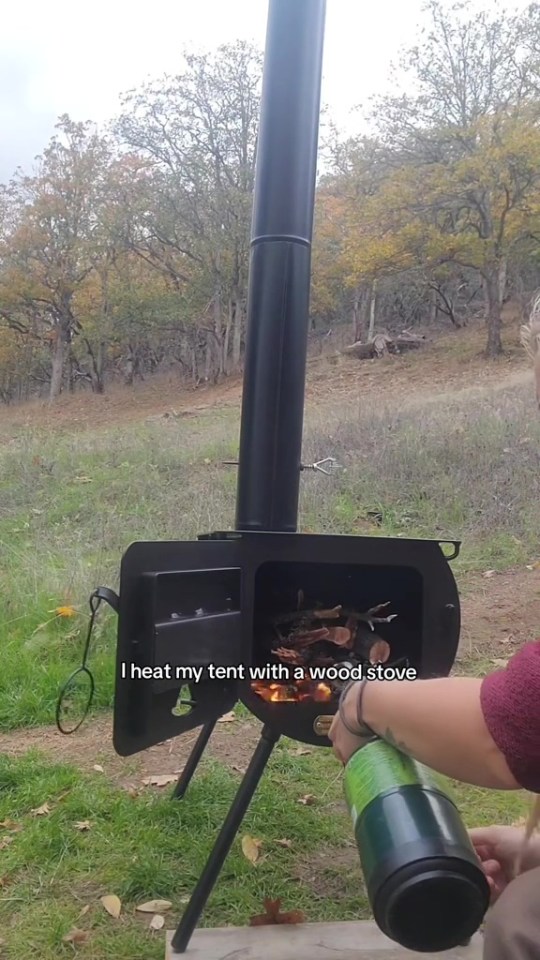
point(180, 613)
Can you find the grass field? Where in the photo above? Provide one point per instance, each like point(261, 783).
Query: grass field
point(71, 501)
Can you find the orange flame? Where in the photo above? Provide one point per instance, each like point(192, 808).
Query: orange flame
point(300, 691)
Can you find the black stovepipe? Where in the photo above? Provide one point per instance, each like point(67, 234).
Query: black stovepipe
point(277, 331)
point(280, 268)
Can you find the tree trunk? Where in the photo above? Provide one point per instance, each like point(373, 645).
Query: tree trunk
point(433, 305)
point(493, 311)
point(372, 310)
point(218, 331)
point(227, 336)
point(129, 368)
point(57, 371)
point(237, 331)
point(503, 271)
point(356, 316)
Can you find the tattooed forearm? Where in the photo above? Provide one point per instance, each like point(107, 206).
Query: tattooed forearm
point(389, 737)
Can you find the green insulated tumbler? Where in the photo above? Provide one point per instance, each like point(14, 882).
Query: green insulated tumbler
point(425, 885)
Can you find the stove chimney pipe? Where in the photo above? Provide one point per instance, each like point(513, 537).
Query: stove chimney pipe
point(280, 268)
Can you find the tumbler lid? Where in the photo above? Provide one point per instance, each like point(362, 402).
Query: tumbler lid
point(432, 906)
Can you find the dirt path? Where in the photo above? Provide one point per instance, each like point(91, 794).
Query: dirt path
point(500, 613)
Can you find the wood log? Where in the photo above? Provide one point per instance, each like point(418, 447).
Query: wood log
point(382, 343)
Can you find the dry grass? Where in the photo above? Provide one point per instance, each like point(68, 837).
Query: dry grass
point(452, 468)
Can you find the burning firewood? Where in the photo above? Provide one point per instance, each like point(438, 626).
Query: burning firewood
point(321, 636)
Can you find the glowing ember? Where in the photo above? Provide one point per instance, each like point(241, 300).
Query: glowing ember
point(297, 692)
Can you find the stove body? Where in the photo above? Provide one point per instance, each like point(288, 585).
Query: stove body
point(212, 604)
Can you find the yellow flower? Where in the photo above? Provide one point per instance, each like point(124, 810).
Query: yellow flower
point(65, 611)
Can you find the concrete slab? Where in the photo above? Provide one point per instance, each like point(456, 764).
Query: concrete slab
point(361, 940)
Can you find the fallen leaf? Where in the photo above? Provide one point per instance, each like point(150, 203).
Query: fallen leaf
point(5, 842)
point(82, 825)
point(239, 769)
point(488, 574)
point(76, 936)
point(98, 768)
point(82, 480)
point(159, 780)
point(227, 717)
point(154, 906)
point(301, 752)
point(534, 566)
point(308, 799)
point(251, 848)
point(11, 825)
point(207, 461)
point(499, 662)
point(41, 811)
point(273, 915)
point(157, 922)
point(84, 911)
point(112, 905)
point(283, 843)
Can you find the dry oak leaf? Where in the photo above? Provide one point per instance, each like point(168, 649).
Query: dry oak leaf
point(273, 915)
point(84, 911)
point(112, 904)
point(5, 842)
point(98, 768)
point(307, 800)
point(251, 848)
point(41, 811)
point(159, 780)
point(10, 825)
point(76, 936)
point(154, 906)
point(283, 843)
point(157, 922)
point(228, 717)
point(82, 825)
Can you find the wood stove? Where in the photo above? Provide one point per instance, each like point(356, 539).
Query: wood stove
point(193, 616)
point(207, 608)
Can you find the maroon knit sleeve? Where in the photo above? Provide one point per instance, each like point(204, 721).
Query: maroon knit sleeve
point(510, 700)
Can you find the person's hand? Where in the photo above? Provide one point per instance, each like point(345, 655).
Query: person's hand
point(497, 848)
point(345, 743)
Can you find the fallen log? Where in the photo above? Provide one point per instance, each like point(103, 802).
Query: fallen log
point(382, 344)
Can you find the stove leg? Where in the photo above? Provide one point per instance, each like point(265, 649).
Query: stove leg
point(193, 760)
point(225, 840)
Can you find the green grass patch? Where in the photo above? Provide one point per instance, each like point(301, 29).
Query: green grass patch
point(147, 847)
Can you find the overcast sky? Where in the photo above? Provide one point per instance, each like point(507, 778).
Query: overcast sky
point(58, 57)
